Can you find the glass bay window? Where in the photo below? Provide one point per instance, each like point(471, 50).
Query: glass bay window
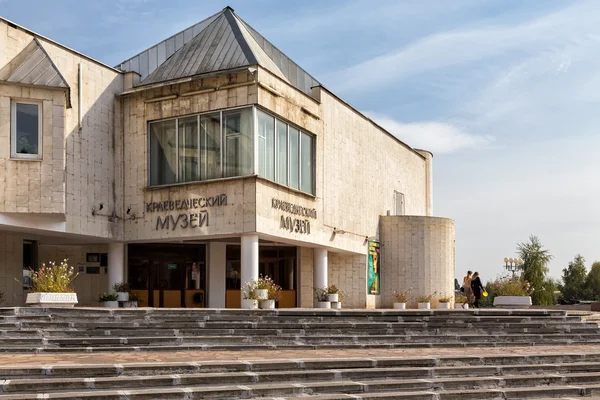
point(221, 144)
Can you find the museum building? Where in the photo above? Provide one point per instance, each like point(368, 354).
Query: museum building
point(199, 164)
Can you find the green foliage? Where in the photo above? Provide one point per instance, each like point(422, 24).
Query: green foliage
point(574, 278)
point(592, 282)
point(543, 295)
point(508, 287)
point(108, 297)
point(535, 260)
point(456, 284)
point(53, 278)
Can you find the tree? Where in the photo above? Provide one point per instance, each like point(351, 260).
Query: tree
point(535, 267)
point(592, 282)
point(574, 278)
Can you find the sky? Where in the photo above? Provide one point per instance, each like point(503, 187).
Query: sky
point(505, 93)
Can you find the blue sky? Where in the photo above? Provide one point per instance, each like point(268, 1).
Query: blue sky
point(505, 93)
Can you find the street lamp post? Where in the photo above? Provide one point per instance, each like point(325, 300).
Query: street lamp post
point(512, 264)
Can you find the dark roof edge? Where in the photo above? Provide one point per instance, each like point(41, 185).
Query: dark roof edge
point(371, 121)
point(37, 35)
point(250, 29)
point(172, 36)
point(237, 32)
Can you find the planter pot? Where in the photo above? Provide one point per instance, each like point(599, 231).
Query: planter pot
point(51, 299)
point(333, 298)
point(122, 296)
point(461, 306)
point(266, 304)
point(249, 304)
point(400, 306)
point(130, 304)
point(261, 294)
point(323, 304)
point(424, 306)
point(443, 306)
point(113, 304)
point(337, 305)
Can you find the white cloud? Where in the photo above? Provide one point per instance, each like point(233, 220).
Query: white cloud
point(468, 46)
point(437, 137)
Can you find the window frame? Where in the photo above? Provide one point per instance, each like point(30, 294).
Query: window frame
point(399, 195)
point(301, 131)
point(222, 150)
point(13, 130)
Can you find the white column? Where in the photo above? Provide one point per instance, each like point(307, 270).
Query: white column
point(116, 264)
point(249, 259)
point(320, 269)
point(217, 269)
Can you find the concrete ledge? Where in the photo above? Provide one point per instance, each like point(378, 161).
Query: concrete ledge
point(512, 302)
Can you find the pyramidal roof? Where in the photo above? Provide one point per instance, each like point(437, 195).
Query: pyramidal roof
point(34, 67)
point(219, 43)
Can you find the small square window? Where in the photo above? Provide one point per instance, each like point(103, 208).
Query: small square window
point(26, 130)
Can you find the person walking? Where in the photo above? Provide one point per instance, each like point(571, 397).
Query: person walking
point(476, 288)
point(467, 287)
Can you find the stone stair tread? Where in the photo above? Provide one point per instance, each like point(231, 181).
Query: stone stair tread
point(399, 378)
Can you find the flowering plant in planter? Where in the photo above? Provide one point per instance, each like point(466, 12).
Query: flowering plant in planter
point(135, 296)
point(263, 283)
point(53, 278)
point(275, 292)
point(122, 289)
point(426, 298)
point(51, 285)
point(402, 297)
point(104, 297)
point(321, 294)
point(248, 291)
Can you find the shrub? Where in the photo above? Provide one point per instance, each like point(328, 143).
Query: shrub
point(121, 287)
point(108, 297)
point(402, 297)
point(509, 287)
point(461, 299)
point(53, 278)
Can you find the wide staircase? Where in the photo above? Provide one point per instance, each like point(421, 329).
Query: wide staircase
point(469, 374)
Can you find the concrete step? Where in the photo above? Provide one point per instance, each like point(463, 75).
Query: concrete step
point(285, 339)
point(155, 331)
point(486, 388)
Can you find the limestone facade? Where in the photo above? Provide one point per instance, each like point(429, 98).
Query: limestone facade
point(91, 187)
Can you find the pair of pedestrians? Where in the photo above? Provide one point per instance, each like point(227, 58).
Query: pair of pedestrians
point(472, 288)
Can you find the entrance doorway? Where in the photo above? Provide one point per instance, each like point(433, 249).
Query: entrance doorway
point(278, 263)
point(170, 276)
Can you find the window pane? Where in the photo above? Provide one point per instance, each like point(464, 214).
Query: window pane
point(294, 136)
point(238, 135)
point(27, 128)
point(188, 149)
point(282, 147)
point(306, 165)
point(266, 145)
point(210, 144)
point(163, 153)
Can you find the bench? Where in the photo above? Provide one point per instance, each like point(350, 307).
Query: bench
point(512, 301)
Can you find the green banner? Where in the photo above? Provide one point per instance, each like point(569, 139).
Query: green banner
point(374, 267)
